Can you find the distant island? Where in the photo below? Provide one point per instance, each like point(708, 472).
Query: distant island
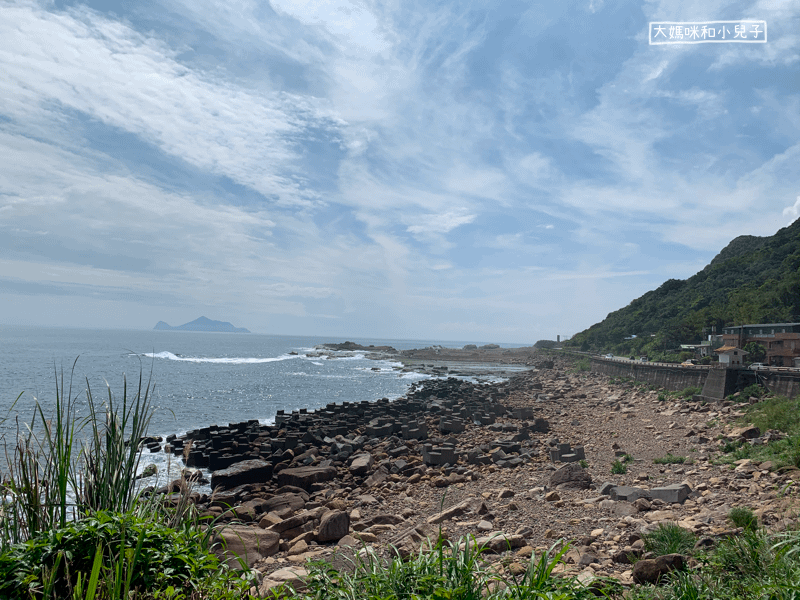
point(202, 324)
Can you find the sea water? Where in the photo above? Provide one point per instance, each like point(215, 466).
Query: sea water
point(197, 379)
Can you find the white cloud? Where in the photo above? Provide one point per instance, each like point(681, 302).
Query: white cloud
point(792, 211)
point(87, 63)
point(443, 223)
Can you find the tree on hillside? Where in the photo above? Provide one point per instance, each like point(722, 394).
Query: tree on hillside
point(756, 352)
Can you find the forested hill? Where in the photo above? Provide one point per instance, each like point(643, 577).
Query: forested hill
point(753, 280)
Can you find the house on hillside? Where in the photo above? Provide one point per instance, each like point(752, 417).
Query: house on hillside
point(730, 356)
point(780, 340)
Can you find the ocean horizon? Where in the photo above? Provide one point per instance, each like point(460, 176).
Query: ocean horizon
point(197, 378)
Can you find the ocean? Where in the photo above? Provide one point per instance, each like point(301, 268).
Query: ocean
point(198, 379)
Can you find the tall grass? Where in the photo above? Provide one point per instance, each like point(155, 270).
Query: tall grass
point(40, 475)
point(112, 456)
point(72, 522)
point(458, 570)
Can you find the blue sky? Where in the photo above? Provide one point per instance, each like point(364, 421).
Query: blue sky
point(498, 171)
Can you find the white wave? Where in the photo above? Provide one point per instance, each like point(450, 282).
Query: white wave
point(416, 376)
point(353, 357)
point(318, 364)
point(221, 360)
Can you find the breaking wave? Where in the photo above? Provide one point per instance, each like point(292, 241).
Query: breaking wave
point(221, 360)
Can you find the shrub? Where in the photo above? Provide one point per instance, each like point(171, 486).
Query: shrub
point(74, 525)
point(669, 459)
point(776, 413)
point(753, 390)
point(618, 468)
point(669, 538)
point(583, 364)
point(690, 391)
point(741, 516)
point(150, 554)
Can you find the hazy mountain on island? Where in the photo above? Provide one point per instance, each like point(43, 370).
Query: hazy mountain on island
point(752, 280)
point(202, 324)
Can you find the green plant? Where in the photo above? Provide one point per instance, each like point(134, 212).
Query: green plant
point(584, 463)
point(669, 538)
point(112, 457)
point(626, 458)
point(754, 390)
point(669, 459)
point(137, 552)
point(778, 413)
point(618, 468)
point(690, 391)
point(741, 516)
point(582, 364)
point(39, 474)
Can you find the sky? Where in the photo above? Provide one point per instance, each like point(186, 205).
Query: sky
point(483, 171)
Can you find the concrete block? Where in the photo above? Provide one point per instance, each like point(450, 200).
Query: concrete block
point(675, 493)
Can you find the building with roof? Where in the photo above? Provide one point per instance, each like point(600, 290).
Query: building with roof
point(780, 340)
point(731, 356)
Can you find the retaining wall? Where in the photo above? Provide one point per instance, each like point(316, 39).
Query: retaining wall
point(783, 384)
point(716, 382)
point(671, 377)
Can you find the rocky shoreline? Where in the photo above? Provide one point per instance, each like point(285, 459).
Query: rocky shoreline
point(519, 465)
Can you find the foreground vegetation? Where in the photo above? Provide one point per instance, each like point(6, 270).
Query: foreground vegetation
point(74, 525)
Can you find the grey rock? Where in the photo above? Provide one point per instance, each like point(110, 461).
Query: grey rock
point(333, 526)
point(241, 473)
point(571, 476)
point(361, 464)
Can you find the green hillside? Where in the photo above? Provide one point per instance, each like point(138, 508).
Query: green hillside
point(753, 280)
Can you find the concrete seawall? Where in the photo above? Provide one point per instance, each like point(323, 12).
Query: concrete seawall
point(783, 383)
point(716, 383)
point(671, 377)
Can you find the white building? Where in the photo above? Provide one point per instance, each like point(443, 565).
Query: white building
point(730, 356)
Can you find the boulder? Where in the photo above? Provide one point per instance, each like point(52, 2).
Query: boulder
point(571, 476)
point(305, 477)
point(675, 493)
point(241, 546)
point(285, 504)
point(333, 526)
point(377, 477)
point(241, 473)
point(651, 570)
point(747, 432)
point(499, 542)
point(289, 576)
point(362, 463)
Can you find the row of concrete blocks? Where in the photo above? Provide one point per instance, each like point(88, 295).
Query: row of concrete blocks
point(565, 453)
